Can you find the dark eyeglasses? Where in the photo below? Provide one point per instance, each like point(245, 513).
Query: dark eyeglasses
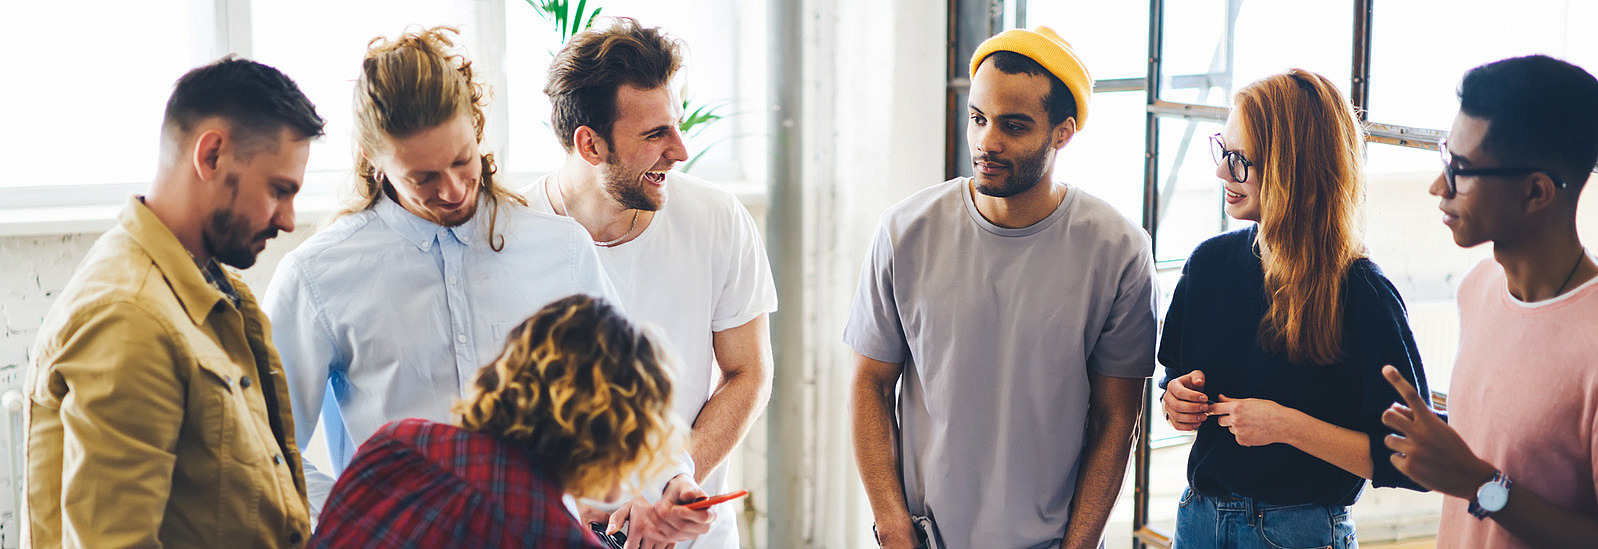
point(1234, 160)
point(1450, 171)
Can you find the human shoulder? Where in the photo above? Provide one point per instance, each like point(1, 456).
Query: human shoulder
point(344, 231)
point(1366, 286)
point(1090, 211)
point(930, 205)
point(527, 228)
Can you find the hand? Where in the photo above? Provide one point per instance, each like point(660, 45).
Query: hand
point(667, 521)
point(1426, 449)
point(897, 534)
point(589, 514)
point(1184, 401)
point(1255, 421)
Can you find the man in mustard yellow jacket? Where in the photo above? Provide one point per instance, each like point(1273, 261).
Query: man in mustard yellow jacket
point(158, 415)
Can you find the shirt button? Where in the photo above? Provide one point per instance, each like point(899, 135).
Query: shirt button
point(277, 459)
point(461, 338)
point(452, 280)
point(244, 382)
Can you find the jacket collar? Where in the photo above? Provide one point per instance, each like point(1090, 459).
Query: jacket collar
point(177, 265)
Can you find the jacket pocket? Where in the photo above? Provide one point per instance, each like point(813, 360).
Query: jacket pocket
point(230, 427)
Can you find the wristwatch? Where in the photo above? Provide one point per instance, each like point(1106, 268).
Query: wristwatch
point(1491, 496)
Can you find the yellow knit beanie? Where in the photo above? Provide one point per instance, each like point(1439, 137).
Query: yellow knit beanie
point(1041, 44)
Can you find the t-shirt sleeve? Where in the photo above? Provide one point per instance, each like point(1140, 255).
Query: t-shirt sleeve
point(1384, 338)
point(1170, 354)
point(1126, 342)
point(747, 289)
point(874, 328)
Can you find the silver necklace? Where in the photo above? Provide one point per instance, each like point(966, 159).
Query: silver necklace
point(559, 192)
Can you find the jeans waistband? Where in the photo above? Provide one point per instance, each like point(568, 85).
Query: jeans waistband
point(1234, 502)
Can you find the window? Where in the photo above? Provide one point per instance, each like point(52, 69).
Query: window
point(85, 109)
point(93, 138)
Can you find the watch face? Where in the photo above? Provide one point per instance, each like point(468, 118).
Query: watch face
point(1492, 496)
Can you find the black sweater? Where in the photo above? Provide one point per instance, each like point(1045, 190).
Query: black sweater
point(1213, 325)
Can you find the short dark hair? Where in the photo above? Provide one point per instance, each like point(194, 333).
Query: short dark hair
point(585, 74)
point(256, 100)
point(1059, 103)
point(1540, 111)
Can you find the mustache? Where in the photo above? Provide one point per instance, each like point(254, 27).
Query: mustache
point(989, 158)
point(266, 235)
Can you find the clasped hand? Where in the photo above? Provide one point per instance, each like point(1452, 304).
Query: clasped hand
point(1253, 421)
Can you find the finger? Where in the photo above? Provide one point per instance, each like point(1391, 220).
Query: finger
point(1398, 421)
point(1225, 421)
point(1188, 418)
point(1179, 392)
point(1186, 426)
point(1405, 390)
point(1398, 444)
point(1223, 408)
point(1225, 398)
point(619, 518)
point(1185, 407)
point(1193, 379)
point(1400, 462)
point(633, 542)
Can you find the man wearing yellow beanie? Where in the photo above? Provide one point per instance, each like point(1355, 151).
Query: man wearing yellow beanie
point(1020, 314)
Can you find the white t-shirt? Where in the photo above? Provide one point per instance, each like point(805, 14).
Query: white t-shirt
point(997, 330)
point(699, 267)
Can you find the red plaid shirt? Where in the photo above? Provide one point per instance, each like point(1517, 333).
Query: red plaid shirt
point(422, 484)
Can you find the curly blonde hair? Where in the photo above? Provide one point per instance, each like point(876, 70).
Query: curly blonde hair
point(409, 84)
point(585, 391)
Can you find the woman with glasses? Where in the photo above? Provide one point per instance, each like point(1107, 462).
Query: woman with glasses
point(1276, 335)
point(578, 401)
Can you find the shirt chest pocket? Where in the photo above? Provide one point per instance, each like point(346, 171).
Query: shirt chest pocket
point(230, 407)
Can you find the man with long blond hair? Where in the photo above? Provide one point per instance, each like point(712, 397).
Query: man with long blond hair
point(684, 255)
point(1518, 457)
point(386, 313)
point(577, 403)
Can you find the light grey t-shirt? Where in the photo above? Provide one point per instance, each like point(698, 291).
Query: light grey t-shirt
point(997, 330)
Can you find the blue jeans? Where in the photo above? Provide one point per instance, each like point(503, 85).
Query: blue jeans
point(1245, 523)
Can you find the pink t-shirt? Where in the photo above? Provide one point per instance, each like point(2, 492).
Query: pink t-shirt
point(1524, 396)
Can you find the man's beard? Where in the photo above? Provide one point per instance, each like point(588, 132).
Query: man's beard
point(627, 187)
point(1024, 174)
point(228, 237)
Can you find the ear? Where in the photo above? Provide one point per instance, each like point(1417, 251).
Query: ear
point(207, 154)
point(1541, 192)
point(1064, 132)
point(589, 145)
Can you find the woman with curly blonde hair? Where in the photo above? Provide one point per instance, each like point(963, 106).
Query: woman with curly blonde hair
point(576, 405)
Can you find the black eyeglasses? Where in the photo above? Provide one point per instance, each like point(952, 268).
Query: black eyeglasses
point(1234, 160)
point(1450, 170)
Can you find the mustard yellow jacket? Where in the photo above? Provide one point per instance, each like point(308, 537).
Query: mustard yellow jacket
point(158, 415)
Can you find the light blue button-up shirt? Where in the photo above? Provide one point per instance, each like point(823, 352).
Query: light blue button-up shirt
point(395, 314)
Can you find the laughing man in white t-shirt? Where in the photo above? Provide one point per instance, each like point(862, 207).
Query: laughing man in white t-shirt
point(684, 256)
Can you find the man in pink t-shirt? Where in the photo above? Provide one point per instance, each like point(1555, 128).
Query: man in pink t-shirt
point(1519, 454)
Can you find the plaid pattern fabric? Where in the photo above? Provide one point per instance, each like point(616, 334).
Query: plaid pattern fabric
point(419, 484)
